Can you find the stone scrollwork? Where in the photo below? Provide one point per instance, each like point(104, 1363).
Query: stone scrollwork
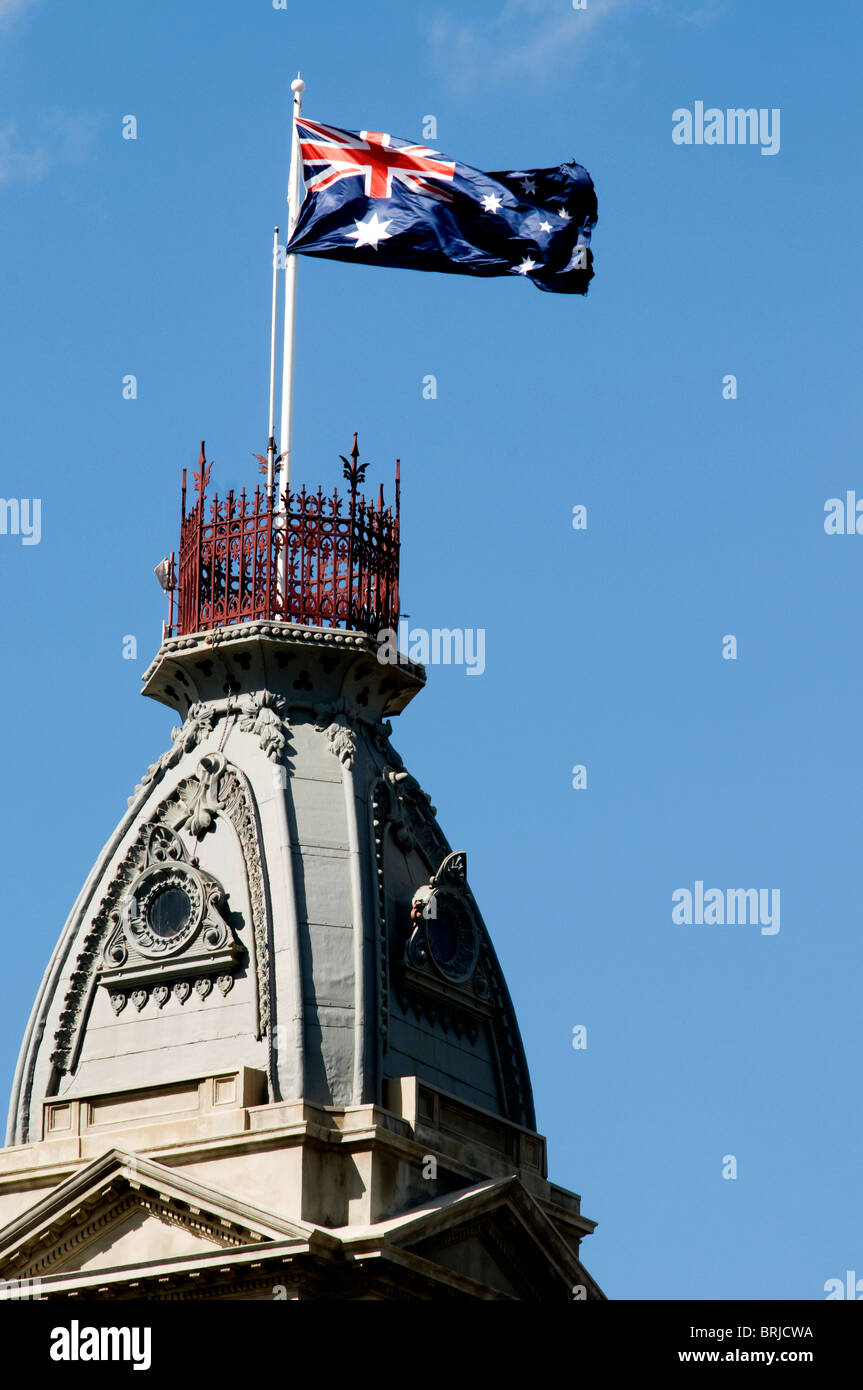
point(337, 723)
point(172, 917)
point(163, 920)
point(198, 724)
point(343, 742)
point(203, 796)
point(240, 808)
point(440, 965)
point(412, 816)
point(381, 734)
point(264, 715)
point(401, 808)
point(446, 936)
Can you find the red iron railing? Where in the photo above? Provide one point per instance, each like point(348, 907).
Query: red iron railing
point(320, 560)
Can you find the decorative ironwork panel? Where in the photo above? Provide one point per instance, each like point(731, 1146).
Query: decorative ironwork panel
point(321, 560)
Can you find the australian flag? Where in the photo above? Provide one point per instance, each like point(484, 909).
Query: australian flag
point(382, 201)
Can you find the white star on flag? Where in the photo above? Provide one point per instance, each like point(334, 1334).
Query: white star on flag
point(491, 202)
point(371, 232)
point(545, 226)
point(528, 185)
point(564, 214)
point(526, 266)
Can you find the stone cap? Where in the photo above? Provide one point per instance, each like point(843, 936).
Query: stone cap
point(306, 665)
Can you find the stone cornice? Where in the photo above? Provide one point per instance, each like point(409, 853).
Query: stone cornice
point(307, 666)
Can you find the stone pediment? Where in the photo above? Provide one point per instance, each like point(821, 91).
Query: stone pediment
point(493, 1239)
point(125, 1211)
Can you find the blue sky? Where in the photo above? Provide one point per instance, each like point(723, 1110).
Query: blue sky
point(604, 647)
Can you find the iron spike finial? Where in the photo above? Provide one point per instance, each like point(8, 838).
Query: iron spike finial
point(202, 477)
point(354, 471)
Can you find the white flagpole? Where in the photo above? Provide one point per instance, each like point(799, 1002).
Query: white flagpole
point(271, 442)
point(298, 86)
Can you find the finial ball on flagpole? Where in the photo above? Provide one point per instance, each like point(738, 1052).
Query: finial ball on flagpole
point(298, 85)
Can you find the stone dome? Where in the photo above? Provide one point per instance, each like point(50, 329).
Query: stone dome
point(278, 896)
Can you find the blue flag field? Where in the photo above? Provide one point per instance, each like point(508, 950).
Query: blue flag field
point(373, 198)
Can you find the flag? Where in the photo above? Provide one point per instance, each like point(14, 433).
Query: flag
point(373, 198)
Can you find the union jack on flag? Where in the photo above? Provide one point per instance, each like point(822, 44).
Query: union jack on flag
point(331, 155)
point(374, 198)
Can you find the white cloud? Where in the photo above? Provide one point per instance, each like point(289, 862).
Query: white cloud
point(533, 40)
point(526, 39)
point(17, 162)
point(12, 10)
point(59, 140)
point(706, 13)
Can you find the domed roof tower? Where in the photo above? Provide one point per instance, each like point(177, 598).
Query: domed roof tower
point(279, 872)
point(276, 986)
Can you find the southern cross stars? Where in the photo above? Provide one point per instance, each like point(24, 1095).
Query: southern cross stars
point(371, 232)
point(545, 226)
point(491, 202)
point(526, 266)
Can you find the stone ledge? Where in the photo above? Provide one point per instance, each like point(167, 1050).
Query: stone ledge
point(265, 655)
point(330, 1165)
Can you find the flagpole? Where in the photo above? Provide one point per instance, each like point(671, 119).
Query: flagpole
point(271, 442)
point(298, 86)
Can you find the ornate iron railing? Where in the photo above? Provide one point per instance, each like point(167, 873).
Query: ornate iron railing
point(325, 561)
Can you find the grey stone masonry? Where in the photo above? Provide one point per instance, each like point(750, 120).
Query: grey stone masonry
point(278, 896)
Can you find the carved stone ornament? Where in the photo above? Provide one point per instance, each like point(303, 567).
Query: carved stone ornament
point(343, 742)
point(445, 936)
point(200, 721)
point(402, 809)
point(446, 973)
point(411, 815)
point(263, 714)
point(170, 922)
point(132, 913)
point(202, 798)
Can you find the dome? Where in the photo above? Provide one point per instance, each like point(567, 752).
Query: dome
point(278, 895)
point(274, 1048)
